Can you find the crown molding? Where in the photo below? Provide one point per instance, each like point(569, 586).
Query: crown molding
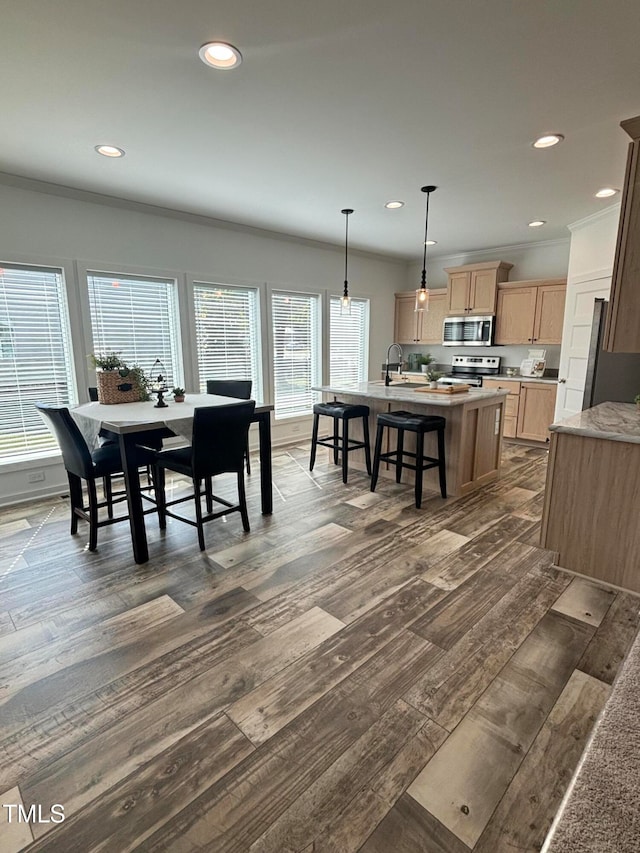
point(605, 213)
point(34, 185)
point(495, 250)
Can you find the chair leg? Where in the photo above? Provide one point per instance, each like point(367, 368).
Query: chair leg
point(208, 493)
point(199, 524)
point(75, 499)
point(399, 455)
point(161, 498)
point(314, 439)
point(376, 457)
point(442, 468)
point(367, 448)
point(248, 457)
point(336, 439)
point(108, 494)
point(345, 449)
point(419, 464)
point(93, 515)
point(242, 500)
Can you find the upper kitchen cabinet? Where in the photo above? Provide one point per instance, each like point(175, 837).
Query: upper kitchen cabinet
point(530, 312)
point(472, 289)
point(420, 327)
point(623, 317)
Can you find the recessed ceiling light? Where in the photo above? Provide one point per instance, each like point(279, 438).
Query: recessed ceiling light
point(219, 54)
point(394, 205)
point(606, 192)
point(109, 151)
point(548, 140)
point(537, 223)
point(431, 242)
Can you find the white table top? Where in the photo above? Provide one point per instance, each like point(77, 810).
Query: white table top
point(137, 417)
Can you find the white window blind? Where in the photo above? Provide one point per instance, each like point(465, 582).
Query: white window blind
point(228, 334)
point(349, 341)
point(137, 318)
point(35, 357)
point(296, 352)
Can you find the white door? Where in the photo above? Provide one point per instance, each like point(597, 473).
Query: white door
point(576, 335)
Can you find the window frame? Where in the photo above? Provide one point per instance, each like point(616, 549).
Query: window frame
point(366, 301)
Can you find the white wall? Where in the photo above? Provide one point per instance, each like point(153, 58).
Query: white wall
point(75, 230)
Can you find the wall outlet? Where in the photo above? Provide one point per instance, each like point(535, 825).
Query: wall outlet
point(36, 477)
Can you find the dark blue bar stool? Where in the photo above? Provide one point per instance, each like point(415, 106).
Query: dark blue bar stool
point(420, 425)
point(340, 443)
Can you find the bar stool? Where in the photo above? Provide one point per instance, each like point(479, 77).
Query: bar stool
point(419, 424)
point(340, 443)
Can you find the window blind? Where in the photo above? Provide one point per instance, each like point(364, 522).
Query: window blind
point(349, 341)
point(228, 335)
point(296, 352)
point(137, 318)
point(35, 357)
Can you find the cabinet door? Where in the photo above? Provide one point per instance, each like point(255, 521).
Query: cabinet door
point(535, 411)
point(458, 292)
point(406, 319)
point(515, 315)
point(432, 320)
point(482, 292)
point(547, 328)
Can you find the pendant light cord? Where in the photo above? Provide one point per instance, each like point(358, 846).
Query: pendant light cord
point(423, 283)
point(345, 292)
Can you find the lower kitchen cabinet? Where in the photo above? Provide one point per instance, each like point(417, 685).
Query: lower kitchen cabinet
point(529, 408)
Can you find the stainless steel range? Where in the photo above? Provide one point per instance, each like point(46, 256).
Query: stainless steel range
point(469, 369)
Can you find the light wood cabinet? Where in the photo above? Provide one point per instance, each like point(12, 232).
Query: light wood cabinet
point(472, 289)
point(419, 327)
point(623, 318)
point(529, 408)
point(535, 410)
point(530, 312)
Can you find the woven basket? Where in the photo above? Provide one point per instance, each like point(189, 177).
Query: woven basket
point(114, 388)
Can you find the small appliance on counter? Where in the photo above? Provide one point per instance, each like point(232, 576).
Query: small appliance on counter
point(469, 370)
point(534, 364)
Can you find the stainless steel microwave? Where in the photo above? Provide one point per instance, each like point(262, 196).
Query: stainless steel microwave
point(468, 331)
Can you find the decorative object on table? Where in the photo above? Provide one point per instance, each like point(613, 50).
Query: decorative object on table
point(425, 361)
point(534, 364)
point(422, 293)
point(116, 381)
point(511, 371)
point(345, 300)
point(433, 376)
point(413, 361)
point(178, 394)
point(159, 383)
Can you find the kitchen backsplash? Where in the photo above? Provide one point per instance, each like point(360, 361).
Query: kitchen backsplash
point(510, 356)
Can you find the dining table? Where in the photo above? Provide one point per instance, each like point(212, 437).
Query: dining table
point(128, 420)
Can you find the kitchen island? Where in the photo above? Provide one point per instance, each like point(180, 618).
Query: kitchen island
point(473, 436)
point(592, 497)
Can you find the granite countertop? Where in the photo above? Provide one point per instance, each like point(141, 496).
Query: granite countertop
point(503, 377)
point(400, 394)
point(610, 421)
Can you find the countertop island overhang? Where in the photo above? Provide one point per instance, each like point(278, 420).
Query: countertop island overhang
point(473, 435)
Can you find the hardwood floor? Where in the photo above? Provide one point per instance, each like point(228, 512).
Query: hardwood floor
point(353, 675)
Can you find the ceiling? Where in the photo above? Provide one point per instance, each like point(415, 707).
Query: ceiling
point(336, 104)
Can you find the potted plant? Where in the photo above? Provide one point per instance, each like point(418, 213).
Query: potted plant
point(433, 376)
point(178, 395)
point(117, 382)
point(425, 361)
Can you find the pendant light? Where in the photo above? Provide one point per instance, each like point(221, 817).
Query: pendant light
point(422, 293)
point(345, 301)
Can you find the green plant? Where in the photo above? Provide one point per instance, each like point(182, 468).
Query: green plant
point(636, 400)
point(427, 359)
point(178, 392)
point(141, 380)
point(108, 361)
point(434, 375)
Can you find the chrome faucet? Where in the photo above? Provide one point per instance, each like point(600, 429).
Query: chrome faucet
point(387, 381)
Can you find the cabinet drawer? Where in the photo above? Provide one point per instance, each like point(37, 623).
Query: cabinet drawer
point(511, 387)
point(510, 425)
point(511, 406)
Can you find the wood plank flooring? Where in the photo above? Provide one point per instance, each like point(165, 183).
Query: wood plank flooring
point(353, 675)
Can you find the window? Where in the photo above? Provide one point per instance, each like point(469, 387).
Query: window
point(228, 334)
point(296, 352)
point(35, 357)
point(349, 347)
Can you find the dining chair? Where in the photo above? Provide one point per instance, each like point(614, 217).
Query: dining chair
point(82, 464)
point(238, 388)
point(218, 447)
